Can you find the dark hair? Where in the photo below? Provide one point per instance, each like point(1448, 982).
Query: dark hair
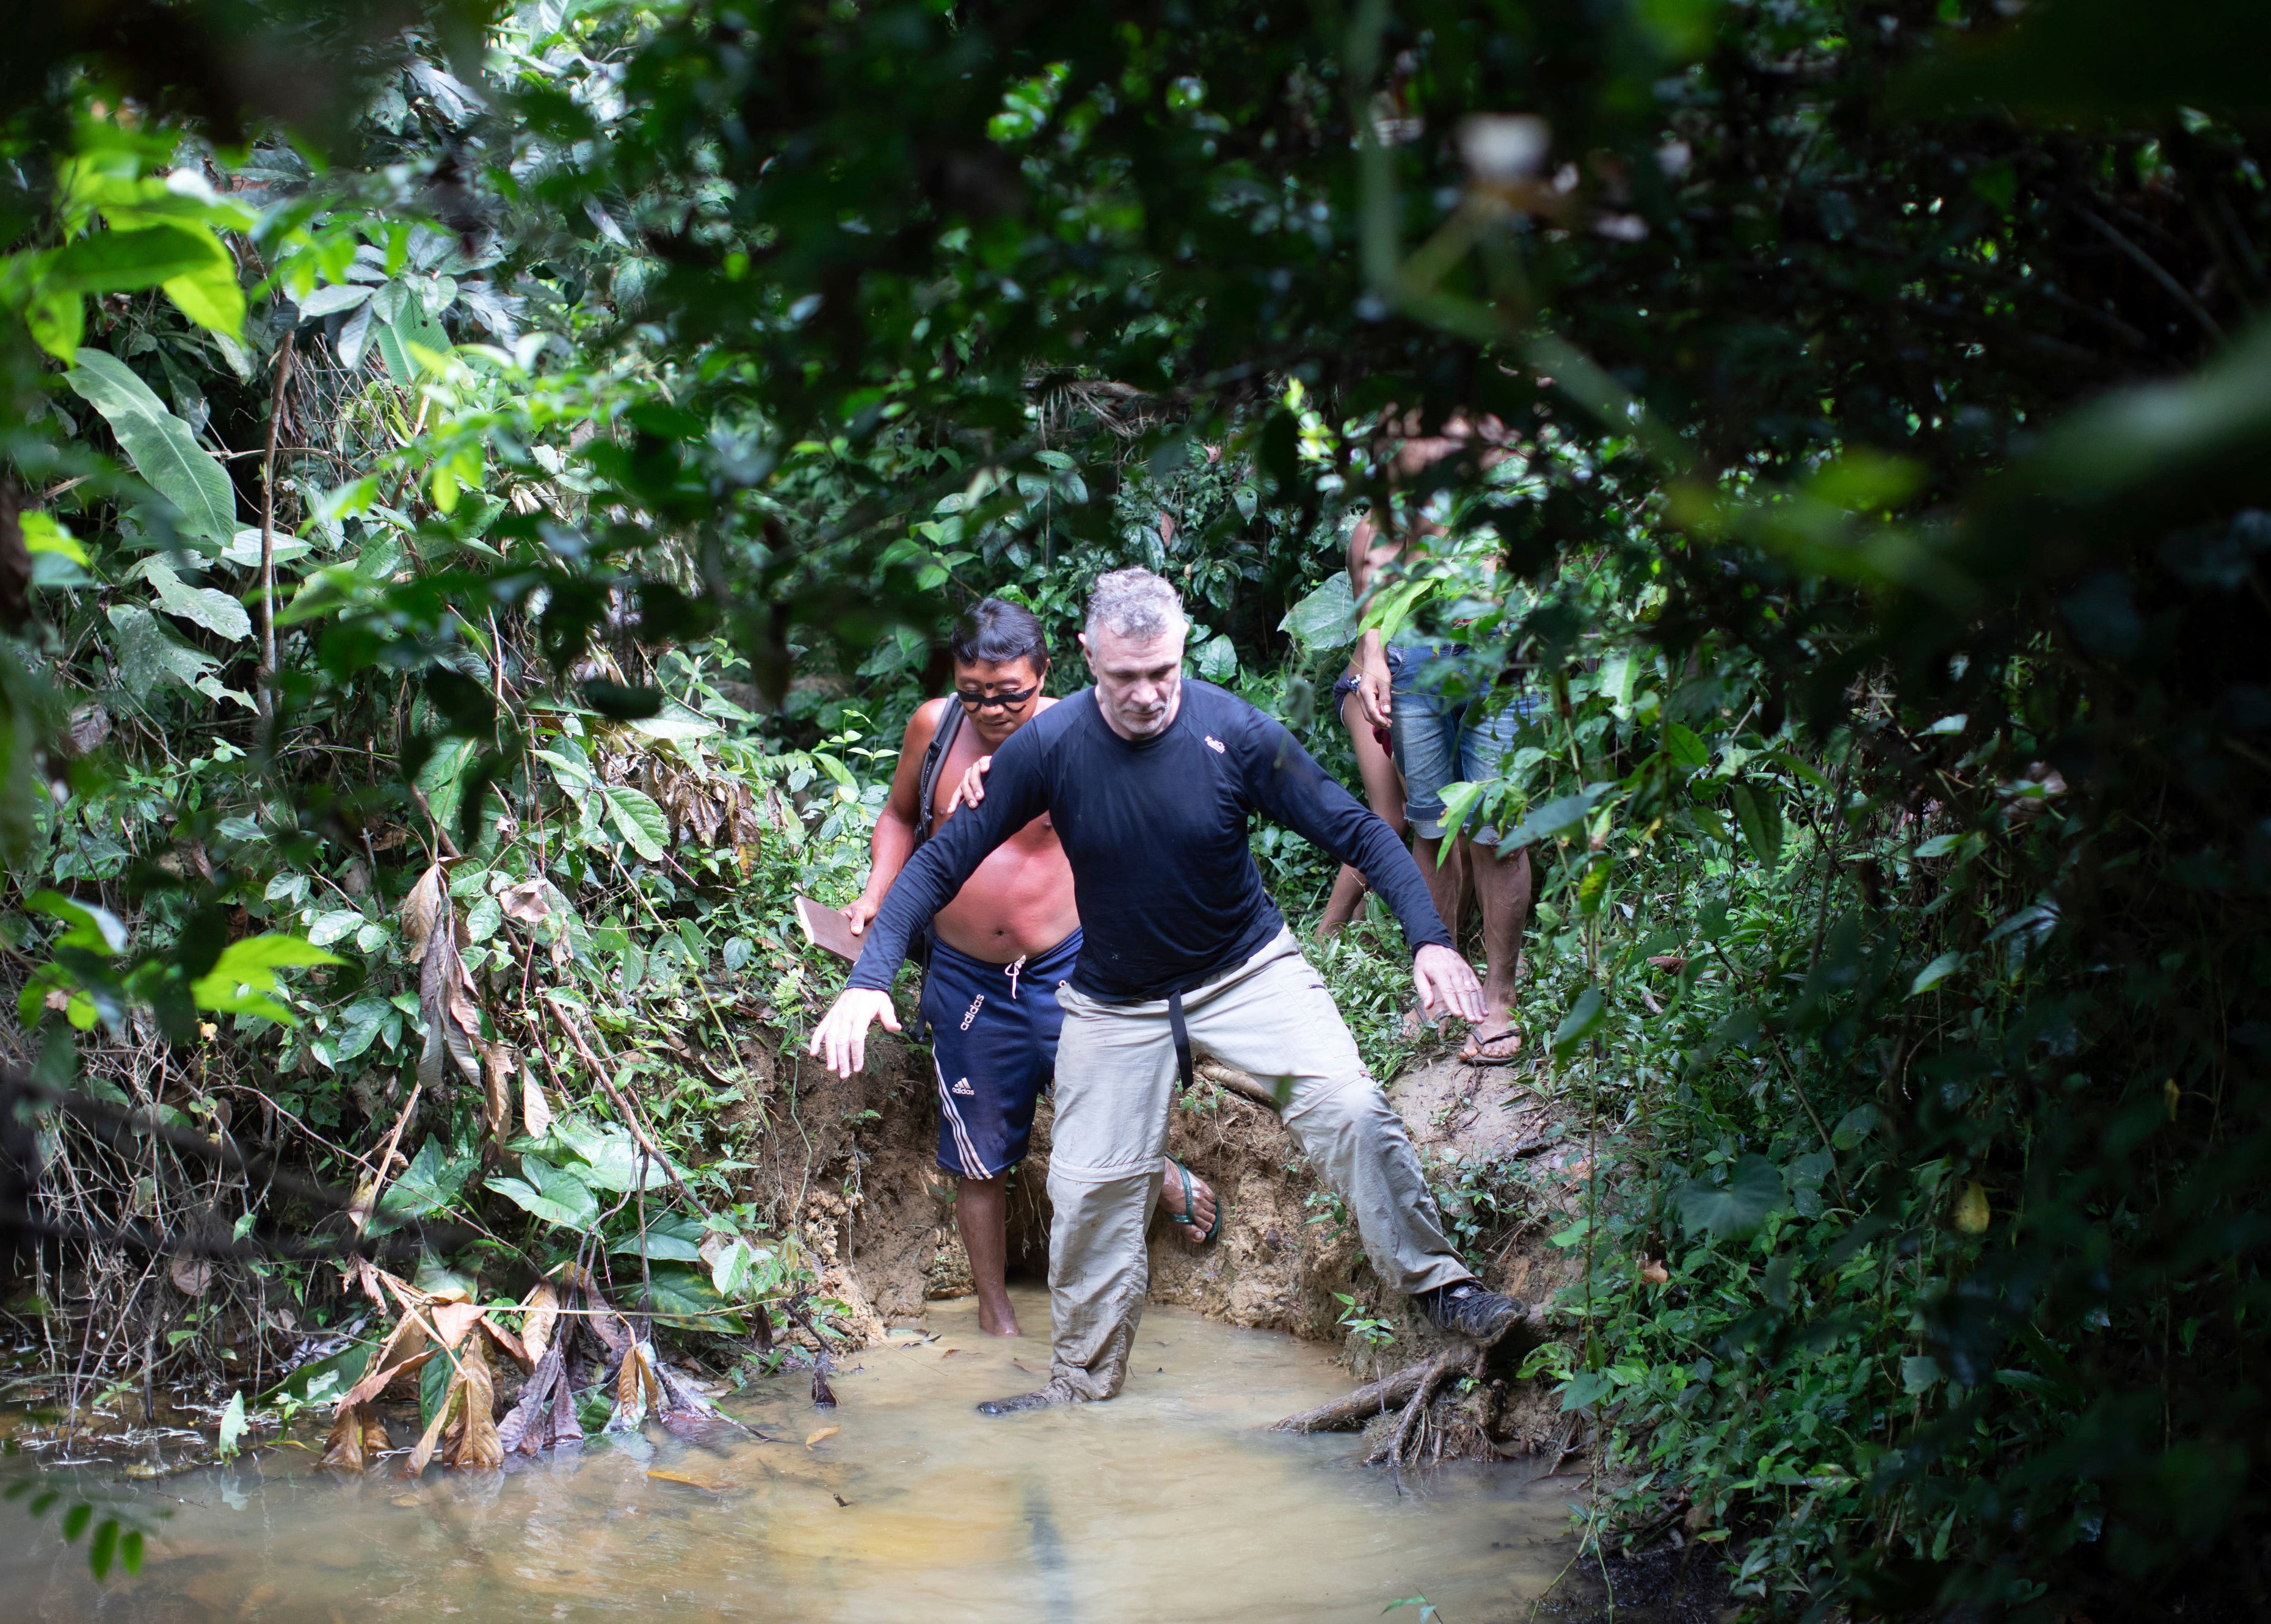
point(996, 633)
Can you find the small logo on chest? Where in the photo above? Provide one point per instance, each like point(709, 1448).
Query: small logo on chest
point(1215, 744)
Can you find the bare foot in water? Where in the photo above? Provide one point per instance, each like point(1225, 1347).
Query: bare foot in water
point(997, 1319)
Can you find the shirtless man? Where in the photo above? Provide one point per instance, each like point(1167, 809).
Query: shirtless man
point(1002, 947)
point(1406, 682)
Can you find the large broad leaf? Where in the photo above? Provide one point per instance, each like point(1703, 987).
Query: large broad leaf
point(241, 981)
point(552, 1193)
point(1566, 815)
point(158, 443)
point(676, 1237)
point(207, 606)
point(684, 1294)
point(1752, 1190)
point(149, 654)
point(639, 819)
point(122, 261)
point(432, 1181)
point(1759, 813)
point(1324, 621)
point(610, 1156)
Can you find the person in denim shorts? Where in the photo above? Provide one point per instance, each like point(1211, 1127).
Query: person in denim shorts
point(1446, 732)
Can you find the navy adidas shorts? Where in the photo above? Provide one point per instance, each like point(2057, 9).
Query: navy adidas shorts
point(994, 1038)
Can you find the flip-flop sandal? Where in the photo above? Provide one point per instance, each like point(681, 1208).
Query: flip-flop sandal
point(1475, 1053)
point(1189, 1216)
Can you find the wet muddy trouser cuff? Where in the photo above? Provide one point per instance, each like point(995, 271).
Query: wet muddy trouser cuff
point(1117, 1067)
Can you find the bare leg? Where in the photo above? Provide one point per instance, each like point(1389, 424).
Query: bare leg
point(1383, 791)
point(1504, 886)
point(1201, 1203)
point(981, 1212)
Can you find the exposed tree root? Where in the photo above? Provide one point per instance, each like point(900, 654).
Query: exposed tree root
point(1448, 1406)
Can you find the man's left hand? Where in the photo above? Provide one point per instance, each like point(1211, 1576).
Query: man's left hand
point(1444, 978)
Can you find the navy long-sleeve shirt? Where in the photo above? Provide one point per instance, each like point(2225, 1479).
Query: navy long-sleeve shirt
point(1155, 830)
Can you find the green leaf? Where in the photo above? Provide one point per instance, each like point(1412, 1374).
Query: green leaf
point(337, 925)
point(1730, 1210)
point(1584, 1019)
point(104, 1545)
point(343, 1368)
point(1919, 1374)
point(232, 1427)
point(1933, 973)
point(1326, 620)
point(43, 534)
point(673, 1236)
point(680, 1291)
point(207, 606)
point(158, 444)
point(245, 973)
point(76, 1519)
point(610, 1156)
point(92, 927)
point(639, 819)
point(434, 1181)
point(149, 653)
point(483, 920)
point(1686, 748)
point(329, 300)
point(57, 321)
point(1566, 815)
point(553, 1194)
point(107, 262)
point(1760, 814)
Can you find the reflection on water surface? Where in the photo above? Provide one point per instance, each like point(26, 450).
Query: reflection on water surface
point(1170, 1503)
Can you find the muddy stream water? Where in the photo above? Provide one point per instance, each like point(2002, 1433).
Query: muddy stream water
point(1173, 1503)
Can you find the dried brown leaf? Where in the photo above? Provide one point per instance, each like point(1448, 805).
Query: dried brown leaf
point(536, 1326)
point(427, 901)
point(479, 1446)
point(535, 1110)
point(499, 1064)
point(191, 1276)
point(820, 1435)
point(422, 1456)
point(343, 1450)
point(528, 903)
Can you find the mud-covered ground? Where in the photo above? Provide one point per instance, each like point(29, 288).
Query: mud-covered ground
point(878, 1213)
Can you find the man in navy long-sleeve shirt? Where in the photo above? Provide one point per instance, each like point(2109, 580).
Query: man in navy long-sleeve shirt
point(1149, 781)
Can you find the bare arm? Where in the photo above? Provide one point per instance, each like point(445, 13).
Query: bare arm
point(1367, 554)
point(894, 839)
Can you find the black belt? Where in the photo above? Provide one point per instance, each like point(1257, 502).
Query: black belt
point(1182, 1037)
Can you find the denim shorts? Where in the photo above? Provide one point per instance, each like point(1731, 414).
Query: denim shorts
point(1441, 739)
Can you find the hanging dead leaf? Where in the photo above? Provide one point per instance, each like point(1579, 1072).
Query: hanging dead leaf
point(499, 1065)
point(1654, 1272)
point(535, 1110)
point(504, 1338)
point(445, 999)
point(422, 1456)
point(820, 1435)
point(191, 1276)
point(478, 1444)
point(636, 1389)
point(343, 1450)
point(536, 1326)
point(427, 901)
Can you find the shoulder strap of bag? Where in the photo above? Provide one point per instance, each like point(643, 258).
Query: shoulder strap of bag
point(941, 741)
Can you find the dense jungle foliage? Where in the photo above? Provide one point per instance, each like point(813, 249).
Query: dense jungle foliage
point(484, 488)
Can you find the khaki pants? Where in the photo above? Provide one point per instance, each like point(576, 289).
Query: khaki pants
point(1115, 1082)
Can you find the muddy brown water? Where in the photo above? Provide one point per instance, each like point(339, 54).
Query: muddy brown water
point(1172, 1503)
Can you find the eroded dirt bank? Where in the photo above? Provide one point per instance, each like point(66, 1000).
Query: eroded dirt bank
point(852, 1162)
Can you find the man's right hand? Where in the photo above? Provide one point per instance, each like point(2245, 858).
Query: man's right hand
point(841, 1039)
point(859, 912)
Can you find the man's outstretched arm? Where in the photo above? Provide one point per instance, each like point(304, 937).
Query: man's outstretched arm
point(928, 884)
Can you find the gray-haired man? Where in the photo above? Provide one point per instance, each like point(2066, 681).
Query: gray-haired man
point(1149, 781)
